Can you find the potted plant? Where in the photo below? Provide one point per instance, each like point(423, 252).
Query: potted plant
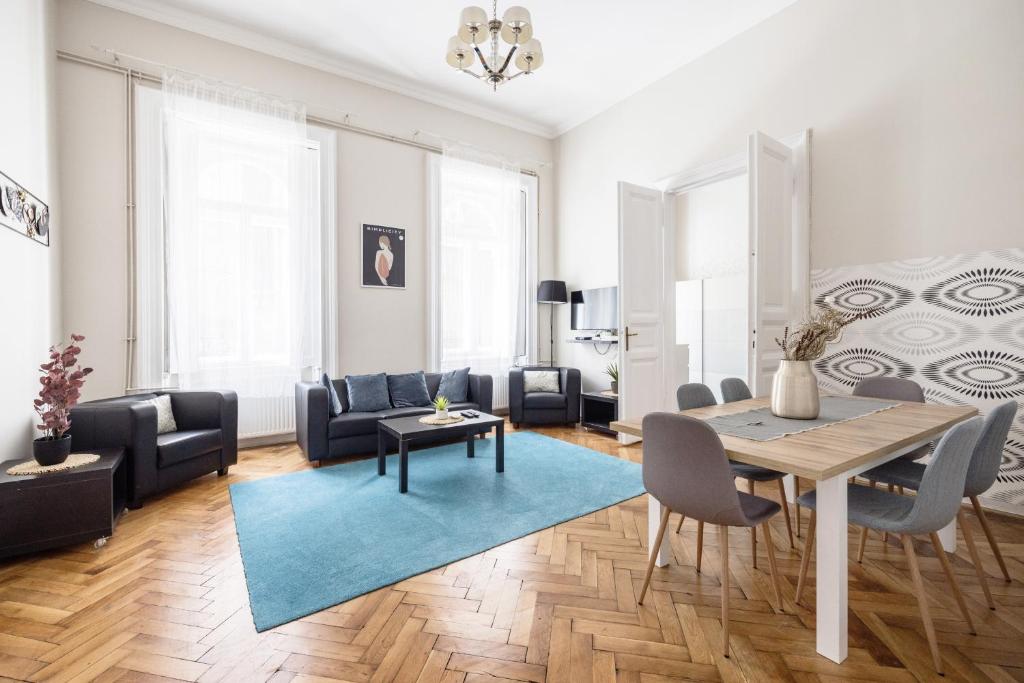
point(62, 380)
point(794, 387)
point(441, 407)
point(613, 371)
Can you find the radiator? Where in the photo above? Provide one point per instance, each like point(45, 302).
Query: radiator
point(265, 416)
point(500, 400)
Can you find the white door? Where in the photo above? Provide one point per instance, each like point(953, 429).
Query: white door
point(775, 293)
point(641, 300)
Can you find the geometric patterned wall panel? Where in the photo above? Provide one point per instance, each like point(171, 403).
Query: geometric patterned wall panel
point(953, 324)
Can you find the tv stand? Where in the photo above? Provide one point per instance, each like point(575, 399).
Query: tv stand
point(598, 409)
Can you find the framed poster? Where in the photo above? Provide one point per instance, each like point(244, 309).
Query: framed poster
point(383, 256)
point(23, 212)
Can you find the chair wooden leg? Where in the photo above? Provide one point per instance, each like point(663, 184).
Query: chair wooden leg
point(723, 550)
point(922, 600)
point(805, 561)
point(860, 548)
point(700, 543)
point(785, 512)
point(654, 551)
point(885, 534)
point(961, 520)
point(753, 529)
point(988, 534)
point(951, 577)
point(771, 563)
point(679, 527)
point(899, 488)
point(796, 495)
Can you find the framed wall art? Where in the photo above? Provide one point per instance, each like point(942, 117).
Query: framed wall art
point(23, 212)
point(383, 254)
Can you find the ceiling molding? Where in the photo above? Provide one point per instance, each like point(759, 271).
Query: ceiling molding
point(252, 40)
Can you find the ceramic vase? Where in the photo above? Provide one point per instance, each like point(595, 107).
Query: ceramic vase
point(51, 451)
point(795, 391)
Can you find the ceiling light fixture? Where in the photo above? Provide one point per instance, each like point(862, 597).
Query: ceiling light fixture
point(515, 28)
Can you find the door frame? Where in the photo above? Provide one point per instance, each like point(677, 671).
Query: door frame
point(724, 169)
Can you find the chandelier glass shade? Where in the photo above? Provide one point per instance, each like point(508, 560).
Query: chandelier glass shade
point(477, 33)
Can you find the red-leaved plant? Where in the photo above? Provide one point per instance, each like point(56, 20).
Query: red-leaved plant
point(62, 380)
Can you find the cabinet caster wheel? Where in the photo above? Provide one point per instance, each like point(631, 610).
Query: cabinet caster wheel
point(99, 542)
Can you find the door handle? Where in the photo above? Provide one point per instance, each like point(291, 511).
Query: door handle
point(628, 335)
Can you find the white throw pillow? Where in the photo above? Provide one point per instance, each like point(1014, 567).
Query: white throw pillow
point(164, 415)
point(540, 380)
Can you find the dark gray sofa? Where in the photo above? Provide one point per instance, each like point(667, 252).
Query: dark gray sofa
point(206, 440)
point(323, 437)
point(543, 407)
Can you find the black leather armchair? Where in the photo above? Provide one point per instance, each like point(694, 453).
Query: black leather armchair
point(542, 407)
point(206, 440)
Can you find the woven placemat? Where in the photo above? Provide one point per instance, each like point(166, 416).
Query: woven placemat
point(434, 420)
point(74, 460)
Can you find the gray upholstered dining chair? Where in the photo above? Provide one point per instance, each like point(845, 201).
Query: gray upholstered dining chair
point(895, 389)
point(697, 395)
point(982, 473)
point(686, 470)
point(735, 389)
point(934, 506)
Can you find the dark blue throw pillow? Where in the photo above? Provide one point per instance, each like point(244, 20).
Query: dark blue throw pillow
point(367, 393)
point(408, 390)
point(333, 400)
point(455, 385)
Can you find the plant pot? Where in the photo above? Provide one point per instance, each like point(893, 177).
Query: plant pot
point(48, 451)
point(441, 414)
point(615, 386)
point(795, 391)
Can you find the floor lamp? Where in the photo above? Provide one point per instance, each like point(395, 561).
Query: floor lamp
point(552, 292)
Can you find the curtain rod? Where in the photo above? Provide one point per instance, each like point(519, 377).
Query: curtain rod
point(311, 118)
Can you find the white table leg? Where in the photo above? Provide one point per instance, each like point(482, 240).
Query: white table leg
point(789, 484)
point(653, 520)
point(831, 569)
point(947, 535)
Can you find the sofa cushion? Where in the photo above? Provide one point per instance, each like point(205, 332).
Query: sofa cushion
point(540, 381)
point(408, 390)
point(333, 400)
point(164, 413)
point(352, 424)
point(177, 447)
point(367, 393)
point(455, 385)
point(544, 399)
point(463, 405)
point(405, 412)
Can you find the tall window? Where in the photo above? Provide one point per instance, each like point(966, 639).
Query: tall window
point(482, 270)
point(229, 265)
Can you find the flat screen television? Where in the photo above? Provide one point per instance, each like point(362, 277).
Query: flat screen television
point(595, 309)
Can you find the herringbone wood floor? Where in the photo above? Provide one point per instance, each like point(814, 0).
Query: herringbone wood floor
point(166, 599)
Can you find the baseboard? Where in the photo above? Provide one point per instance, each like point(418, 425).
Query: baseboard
point(266, 440)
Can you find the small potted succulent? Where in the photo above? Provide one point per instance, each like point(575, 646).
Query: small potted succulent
point(62, 380)
point(613, 372)
point(441, 407)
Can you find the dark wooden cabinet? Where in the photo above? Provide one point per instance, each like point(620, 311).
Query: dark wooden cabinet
point(598, 410)
point(43, 511)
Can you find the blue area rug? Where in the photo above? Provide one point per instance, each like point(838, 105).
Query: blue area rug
point(313, 539)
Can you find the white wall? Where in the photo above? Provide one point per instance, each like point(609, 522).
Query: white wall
point(29, 273)
point(918, 148)
point(378, 182)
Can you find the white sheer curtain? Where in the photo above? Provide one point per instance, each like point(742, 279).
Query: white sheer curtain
point(478, 263)
point(241, 250)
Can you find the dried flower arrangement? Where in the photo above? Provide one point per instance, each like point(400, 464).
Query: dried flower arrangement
point(62, 380)
point(809, 340)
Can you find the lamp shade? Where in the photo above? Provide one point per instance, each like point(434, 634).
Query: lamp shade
point(473, 25)
point(459, 55)
point(530, 56)
point(516, 26)
point(552, 292)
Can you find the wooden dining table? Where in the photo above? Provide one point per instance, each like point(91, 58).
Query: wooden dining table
point(829, 456)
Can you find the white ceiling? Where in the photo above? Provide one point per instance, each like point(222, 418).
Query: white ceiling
point(596, 52)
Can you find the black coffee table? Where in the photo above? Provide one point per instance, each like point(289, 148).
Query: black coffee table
point(409, 429)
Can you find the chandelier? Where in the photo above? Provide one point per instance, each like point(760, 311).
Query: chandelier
point(475, 29)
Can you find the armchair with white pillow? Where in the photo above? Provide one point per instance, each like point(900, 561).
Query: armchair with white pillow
point(544, 395)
